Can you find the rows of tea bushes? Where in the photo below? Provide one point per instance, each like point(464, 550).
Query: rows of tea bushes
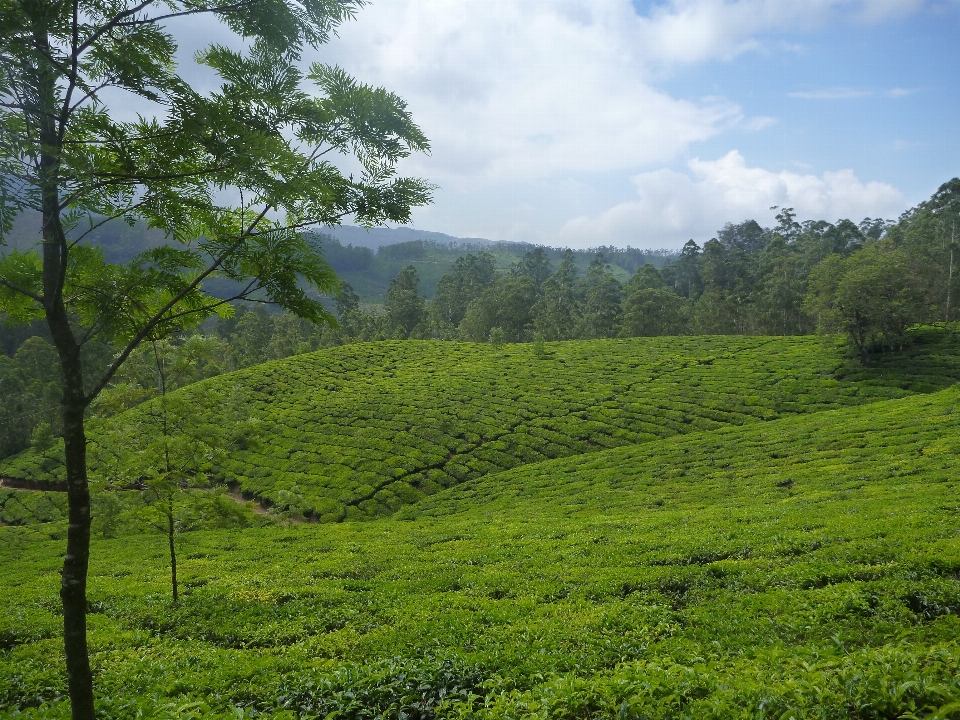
point(19, 507)
point(363, 430)
point(806, 567)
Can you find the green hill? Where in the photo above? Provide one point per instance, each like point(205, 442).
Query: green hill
point(804, 567)
point(368, 261)
point(363, 430)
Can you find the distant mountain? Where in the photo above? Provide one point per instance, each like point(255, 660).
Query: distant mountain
point(378, 237)
point(367, 259)
point(120, 242)
point(126, 241)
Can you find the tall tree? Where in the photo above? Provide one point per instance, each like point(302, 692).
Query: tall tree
point(558, 308)
point(602, 299)
point(930, 236)
point(650, 308)
point(230, 178)
point(686, 271)
point(536, 265)
point(469, 277)
point(747, 236)
point(507, 305)
point(406, 307)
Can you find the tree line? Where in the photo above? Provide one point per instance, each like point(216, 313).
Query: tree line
point(868, 281)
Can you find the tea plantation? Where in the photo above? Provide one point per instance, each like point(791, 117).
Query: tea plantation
point(805, 567)
point(677, 558)
point(363, 430)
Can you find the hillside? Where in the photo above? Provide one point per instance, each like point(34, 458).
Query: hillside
point(369, 272)
point(367, 259)
point(363, 430)
point(804, 567)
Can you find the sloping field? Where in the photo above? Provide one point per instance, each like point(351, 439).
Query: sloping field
point(364, 430)
point(808, 567)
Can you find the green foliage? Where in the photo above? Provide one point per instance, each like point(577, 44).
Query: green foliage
point(602, 297)
point(363, 430)
point(805, 566)
point(506, 304)
point(261, 137)
point(405, 307)
point(539, 347)
point(870, 297)
point(468, 278)
point(31, 392)
point(556, 312)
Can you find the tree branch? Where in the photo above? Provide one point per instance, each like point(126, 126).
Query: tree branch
point(74, 64)
point(21, 291)
point(107, 219)
point(120, 20)
point(183, 13)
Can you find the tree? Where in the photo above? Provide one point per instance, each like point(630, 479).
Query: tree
point(555, 314)
point(869, 296)
point(747, 237)
point(469, 277)
point(654, 311)
point(406, 307)
point(347, 300)
point(505, 305)
point(686, 279)
point(497, 337)
point(930, 236)
point(783, 286)
point(650, 308)
point(602, 299)
point(230, 178)
point(162, 450)
point(536, 265)
point(787, 226)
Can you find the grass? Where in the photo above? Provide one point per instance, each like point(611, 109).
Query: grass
point(364, 430)
point(804, 567)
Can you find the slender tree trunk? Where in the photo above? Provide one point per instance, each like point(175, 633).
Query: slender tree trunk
point(73, 585)
point(73, 588)
point(173, 551)
point(950, 275)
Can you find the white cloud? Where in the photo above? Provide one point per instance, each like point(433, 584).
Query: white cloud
point(512, 90)
point(673, 207)
point(687, 31)
point(518, 96)
point(899, 92)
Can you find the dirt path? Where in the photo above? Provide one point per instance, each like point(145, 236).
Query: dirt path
point(34, 485)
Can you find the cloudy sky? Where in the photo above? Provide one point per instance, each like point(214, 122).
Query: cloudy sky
point(588, 122)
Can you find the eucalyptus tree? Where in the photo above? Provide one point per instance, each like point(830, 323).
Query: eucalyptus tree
point(930, 235)
point(557, 310)
point(231, 177)
point(405, 306)
point(602, 301)
point(466, 281)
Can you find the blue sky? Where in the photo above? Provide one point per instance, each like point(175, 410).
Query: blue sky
point(881, 98)
point(588, 122)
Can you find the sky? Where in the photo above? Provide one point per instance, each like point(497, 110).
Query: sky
point(650, 122)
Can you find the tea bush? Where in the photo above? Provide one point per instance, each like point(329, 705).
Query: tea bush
point(363, 430)
point(805, 567)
